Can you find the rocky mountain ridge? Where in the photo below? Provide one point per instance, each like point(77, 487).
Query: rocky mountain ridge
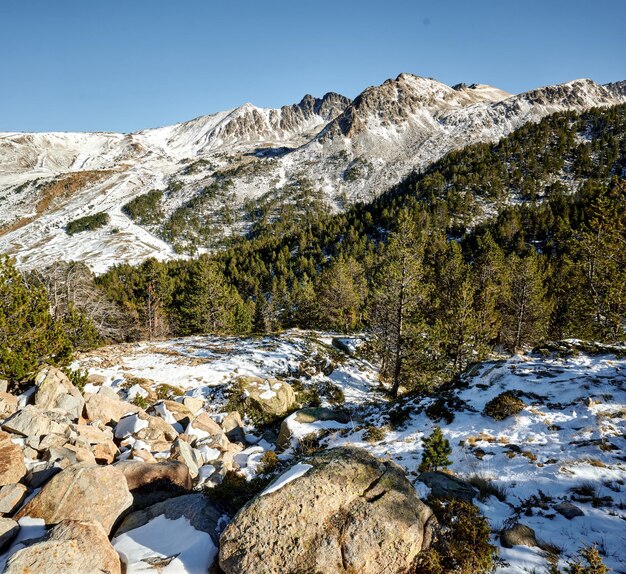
point(338, 149)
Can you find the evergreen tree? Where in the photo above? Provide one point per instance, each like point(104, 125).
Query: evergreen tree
point(341, 294)
point(528, 308)
point(398, 306)
point(209, 304)
point(436, 452)
point(599, 253)
point(156, 286)
point(29, 335)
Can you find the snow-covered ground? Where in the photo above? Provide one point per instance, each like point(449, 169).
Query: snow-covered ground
point(567, 444)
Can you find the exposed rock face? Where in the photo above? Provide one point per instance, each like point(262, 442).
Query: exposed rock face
point(445, 485)
point(70, 547)
point(350, 512)
point(55, 391)
point(81, 492)
point(270, 396)
point(12, 467)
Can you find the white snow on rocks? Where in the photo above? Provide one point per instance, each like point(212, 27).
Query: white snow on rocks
point(175, 545)
point(295, 472)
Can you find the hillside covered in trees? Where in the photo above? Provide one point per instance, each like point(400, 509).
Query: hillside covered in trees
point(426, 268)
point(494, 247)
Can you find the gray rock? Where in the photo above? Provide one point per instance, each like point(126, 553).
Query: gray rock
point(202, 515)
point(33, 422)
point(569, 510)
point(444, 485)
point(11, 496)
point(8, 531)
point(71, 547)
point(519, 535)
point(349, 512)
point(55, 391)
point(184, 453)
point(232, 425)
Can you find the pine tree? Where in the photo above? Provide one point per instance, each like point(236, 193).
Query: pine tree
point(599, 252)
point(156, 287)
point(398, 305)
point(29, 335)
point(436, 452)
point(208, 303)
point(528, 308)
point(341, 294)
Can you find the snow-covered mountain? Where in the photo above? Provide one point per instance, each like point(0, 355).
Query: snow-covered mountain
point(346, 150)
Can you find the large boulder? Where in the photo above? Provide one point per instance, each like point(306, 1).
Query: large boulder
point(443, 485)
point(341, 511)
point(310, 420)
point(55, 391)
point(70, 547)
point(12, 467)
point(269, 396)
point(81, 492)
point(109, 410)
point(33, 422)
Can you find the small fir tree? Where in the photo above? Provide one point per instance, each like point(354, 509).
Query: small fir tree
point(436, 452)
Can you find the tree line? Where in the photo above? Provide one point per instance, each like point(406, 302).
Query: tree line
point(437, 286)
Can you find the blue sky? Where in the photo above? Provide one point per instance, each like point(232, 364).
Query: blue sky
point(123, 65)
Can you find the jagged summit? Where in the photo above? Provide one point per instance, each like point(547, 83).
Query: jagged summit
point(345, 150)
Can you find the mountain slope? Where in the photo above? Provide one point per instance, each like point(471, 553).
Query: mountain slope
point(215, 171)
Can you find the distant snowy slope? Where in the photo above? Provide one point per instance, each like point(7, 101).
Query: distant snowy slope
point(345, 150)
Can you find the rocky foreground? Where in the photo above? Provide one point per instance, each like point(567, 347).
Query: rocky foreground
point(120, 473)
point(82, 491)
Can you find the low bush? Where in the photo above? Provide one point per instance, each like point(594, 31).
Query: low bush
point(235, 491)
point(486, 488)
point(503, 406)
point(461, 544)
point(78, 378)
point(374, 434)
